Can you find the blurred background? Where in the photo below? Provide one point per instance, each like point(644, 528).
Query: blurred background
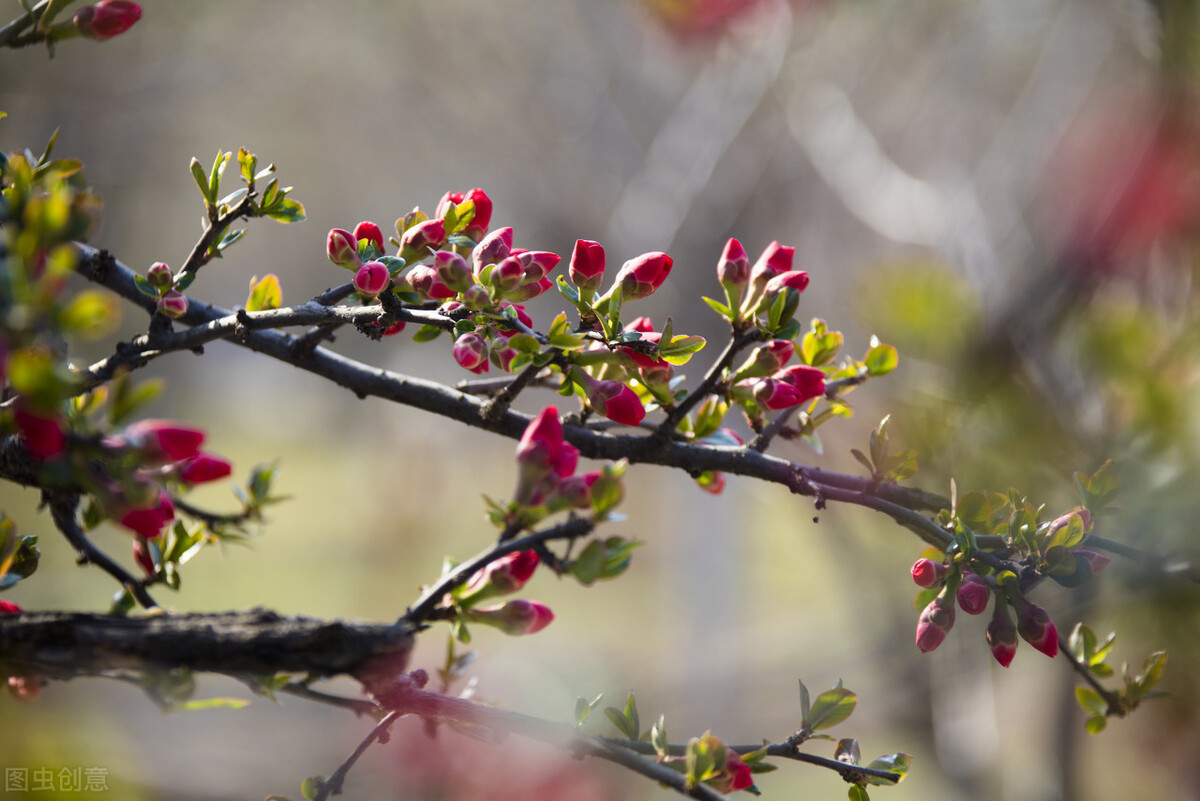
point(1004, 189)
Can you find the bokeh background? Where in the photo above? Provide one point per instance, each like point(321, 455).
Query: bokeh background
point(1004, 189)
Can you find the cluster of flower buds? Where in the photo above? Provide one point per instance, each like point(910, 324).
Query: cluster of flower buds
point(504, 576)
point(166, 452)
point(160, 284)
point(788, 387)
point(750, 290)
point(972, 593)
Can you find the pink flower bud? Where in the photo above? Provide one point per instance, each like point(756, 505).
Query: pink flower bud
point(394, 328)
point(587, 266)
point(107, 19)
point(542, 445)
point(502, 355)
point(508, 275)
point(173, 304)
point(529, 290)
point(795, 279)
point(935, 623)
point(372, 278)
point(42, 433)
point(163, 440)
point(1096, 561)
point(492, 249)
point(712, 482)
point(734, 775)
point(537, 264)
point(471, 352)
point(1002, 634)
point(808, 381)
point(428, 284)
point(928, 573)
point(423, 237)
point(973, 594)
point(204, 467)
point(342, 248)
point(453, 270)
point(610, 398)
point(733, 270)
point(774, 394)
point(372, 233)
point(642, 276)
point(774, 260)
point(1063, 520)
point(9, 608)
point(504, 576)
point(149, 521)
point(766, 360)
point(159, 275)
point(142, 555)
point(1036, 628)
point(514, 617)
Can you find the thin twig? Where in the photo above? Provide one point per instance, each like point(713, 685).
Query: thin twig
point(214, 231)
point(737, 342)
point(333, 785)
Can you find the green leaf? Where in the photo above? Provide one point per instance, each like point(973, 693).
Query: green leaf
point(426, 333)
point(805, 702)
point(631, 716)
point(584, 708)
point(127, 397)
point(719, 308)
point(1095, 725)
point(881, 360)
point(590, 564)
point(144, 287)
point(858, 793)
point(212, 703)
point(863, 460)
point(90, 314)
point(847, 751)
point(831, 707)
point(680, 349)
point(310, 787)
point(658, 736)
point(210, 199)
point(214, 177)
point(1151, 671)
point(248, 162)
point(264, 294)
point(286, 210)
point(892, 763)
point(1091, 701)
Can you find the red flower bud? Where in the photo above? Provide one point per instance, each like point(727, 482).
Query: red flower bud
point(492, 249)
point(394, 328)
point(773, 394)
point(504, 576)
point(204, 467)
point(537, 263)
point(159, 275)
point(342, 248)
point(471, 352)
point(107, 19)
point(733, 270)
point(514, 617)
point(542, 445)
point(423, 237)
point(1096, 561)
point(142, 555)
point(428, 284)
point(164, 440)
point(1036, 628)
point(935, 623)
point(928, 573)
point(795, 279)
point(371, 232)
point(42, 433)
point(372, 278)
point(529, 290)
point(149, 521)
point(9, 608)
point(587, 266)
point(766, 360)
point(173, 304)
point(642, 276)
point(453, 270)
point(1002, 634)
point(973, 594)
point(808, 381)
point(612, 399)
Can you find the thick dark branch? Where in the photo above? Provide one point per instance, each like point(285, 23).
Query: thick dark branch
point(65, 645)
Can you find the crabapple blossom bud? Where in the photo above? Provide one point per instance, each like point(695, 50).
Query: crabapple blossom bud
point(372, 278)
point(928, 573)
point(204, 467)
point(1096, 561)
point(514, 617)
point(394, 328)
point(641, 276)
point(542, 445)
point(163, 440)
point(587, 266)
point(1064, 520)
point(773, 394)
point(502, 355)
point(483, 210)
point(471, 352)
point(1002, 634)
point(342, 248)
point(426, 283)
point(492, 249)
point(766, 360)
point(504, 576)
point(9, 608)
point(173, 304)
point(774, 260)
point(935, 622)
point(735, 775)
point(529, 290)
point(149, 521)
point(159, 275)
point(142, 555)
point(808, 381)
point(1036, 628)
point(733, 270)
point(576, 491)
point(372, 233)
point(794, 279)
point(107, 19)
point(42, 433)
point(508, 275)
point(424, 236)
point(477, 298)
point(973, 594)
point(453, 270)
point(537, 263)
point(610, 398)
